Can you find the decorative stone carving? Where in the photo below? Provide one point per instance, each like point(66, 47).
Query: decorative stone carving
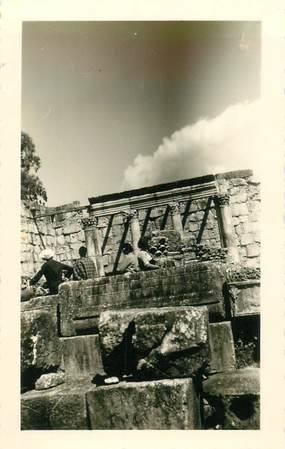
point(89, 222)
point(207, 253)
point(240, 273)
point(130, 215)
point(223, 199)
point(134, 214)
point(174, 208)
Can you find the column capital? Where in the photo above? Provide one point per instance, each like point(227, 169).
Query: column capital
point(223, 199)
point(89, 222)
point(174, 207)
point(131, 215)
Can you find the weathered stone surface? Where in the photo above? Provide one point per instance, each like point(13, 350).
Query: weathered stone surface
point(253, 250)
point(49, 380)
point(221, 347)
point(234, 398)
point(245, 297)
point(195, 284)
point(40, 302)
point(155, 343)
point(82, 356)
point(71, 227)
point(40, 345)
point(158, 405)
point(60, 408)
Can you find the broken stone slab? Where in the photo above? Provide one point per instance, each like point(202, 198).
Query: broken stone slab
point(160, 343)
point(221, 347)
point(157, 405)
point(234, 398)
point(41, 348)
point(60, 408)
point(196, 284)
point(49, 380)
point(82, 356)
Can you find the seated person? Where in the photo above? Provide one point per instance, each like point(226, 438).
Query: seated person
point(145, 259)
point(84, 268)
point(53, 272)
point(129, 263)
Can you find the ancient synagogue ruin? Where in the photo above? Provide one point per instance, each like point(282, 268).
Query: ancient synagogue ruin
point(183, 340)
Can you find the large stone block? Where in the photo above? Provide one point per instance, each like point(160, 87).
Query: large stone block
point(157, 405)
point(40, 344)
point(197, 283)
point(222, 347)
point(245, 297)
point(70, 228)
point(60, 408)
point(82, 356)
point(234, 400)
point(155, 343)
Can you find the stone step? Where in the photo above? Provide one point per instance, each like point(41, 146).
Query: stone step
point(198, 284)
point(158, 405)
point(221, 347)
point(82, 356)
point(233, 399)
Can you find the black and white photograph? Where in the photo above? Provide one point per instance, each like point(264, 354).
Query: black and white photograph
point(140, 225)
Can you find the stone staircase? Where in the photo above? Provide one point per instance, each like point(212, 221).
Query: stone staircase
point(168, 337)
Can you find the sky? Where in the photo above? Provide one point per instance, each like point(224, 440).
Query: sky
point(118, 105)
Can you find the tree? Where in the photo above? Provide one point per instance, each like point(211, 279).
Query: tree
point(32, 188)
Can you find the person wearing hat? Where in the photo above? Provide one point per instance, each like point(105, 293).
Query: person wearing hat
point(52, 270)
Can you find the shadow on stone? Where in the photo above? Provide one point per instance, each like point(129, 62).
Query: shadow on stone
point(121, 360)
point(246, 333)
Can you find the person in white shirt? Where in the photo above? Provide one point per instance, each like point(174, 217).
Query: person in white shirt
point(145, 259)
point(129, 263)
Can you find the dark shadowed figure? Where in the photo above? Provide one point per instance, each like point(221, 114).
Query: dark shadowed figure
point(53, 272)
point(84, 268)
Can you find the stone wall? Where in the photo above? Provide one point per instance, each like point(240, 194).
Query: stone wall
point(245, 203)
point(60, 228)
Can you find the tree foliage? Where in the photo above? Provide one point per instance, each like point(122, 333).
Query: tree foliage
point(32, 188)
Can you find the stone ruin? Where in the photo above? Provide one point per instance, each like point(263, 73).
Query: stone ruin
point(182, 340)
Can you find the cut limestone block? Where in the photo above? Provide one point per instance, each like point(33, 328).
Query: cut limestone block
point(159, 343)
point(234, 399)
point(40, 344)
point(196, 284)
point(60, 408)
point(245, 297)
point(82, 356)
point(160, 405)
point(221, 347)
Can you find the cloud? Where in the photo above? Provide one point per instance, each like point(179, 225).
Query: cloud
point(231, 141)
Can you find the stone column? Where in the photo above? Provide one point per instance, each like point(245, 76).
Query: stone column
point(133, 217)
point(227, 229)
point(93, 243)
point(176, 217)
